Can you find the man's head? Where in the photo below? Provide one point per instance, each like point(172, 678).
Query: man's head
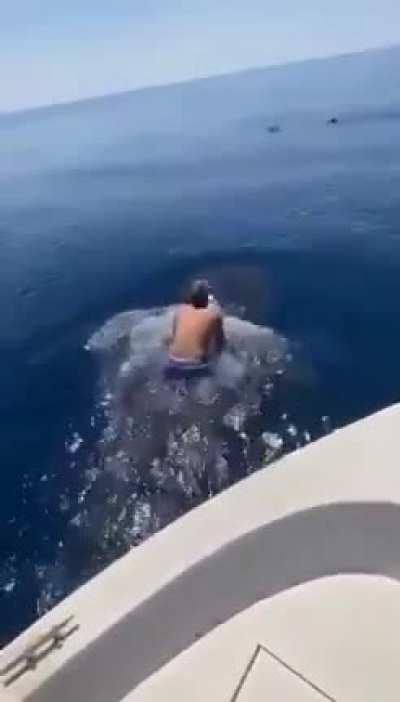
point(198, 293)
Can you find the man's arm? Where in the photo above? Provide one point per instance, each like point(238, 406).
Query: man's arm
point(168, 338)
point(219, 334)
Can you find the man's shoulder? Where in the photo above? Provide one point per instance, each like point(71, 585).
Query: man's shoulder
point(215, 313)
point(212, 311)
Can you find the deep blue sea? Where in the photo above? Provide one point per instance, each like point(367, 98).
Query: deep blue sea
point(113, 205)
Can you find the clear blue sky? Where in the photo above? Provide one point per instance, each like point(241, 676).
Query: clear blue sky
point(61, 50)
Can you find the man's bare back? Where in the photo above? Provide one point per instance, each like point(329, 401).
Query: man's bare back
point(197, 332)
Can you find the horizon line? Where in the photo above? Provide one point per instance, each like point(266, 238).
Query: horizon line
point(213, 76)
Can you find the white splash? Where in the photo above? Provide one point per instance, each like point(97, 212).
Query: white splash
point(165, 447)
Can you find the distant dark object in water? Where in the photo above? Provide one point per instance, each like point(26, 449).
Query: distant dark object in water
point(274, 128)
point(332, 120)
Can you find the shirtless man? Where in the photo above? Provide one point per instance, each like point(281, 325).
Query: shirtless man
point(197, 334)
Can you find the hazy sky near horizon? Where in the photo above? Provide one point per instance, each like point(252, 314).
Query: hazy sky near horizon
point(68, 50)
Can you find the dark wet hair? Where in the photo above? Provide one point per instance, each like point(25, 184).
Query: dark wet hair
point(198, 293)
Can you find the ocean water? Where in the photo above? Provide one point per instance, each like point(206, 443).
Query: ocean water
point(107, 209)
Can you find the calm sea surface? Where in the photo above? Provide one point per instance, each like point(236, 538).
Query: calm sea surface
point(113, 205)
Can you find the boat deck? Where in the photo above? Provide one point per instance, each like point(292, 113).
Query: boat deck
point(301, 560)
